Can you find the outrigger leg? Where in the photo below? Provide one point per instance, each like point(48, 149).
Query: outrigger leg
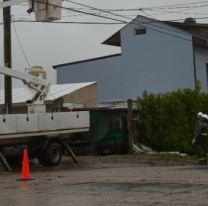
point(4, 161)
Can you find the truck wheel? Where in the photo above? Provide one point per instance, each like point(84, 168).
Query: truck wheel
point(52, 155)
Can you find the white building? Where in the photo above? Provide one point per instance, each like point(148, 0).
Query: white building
point(155, 57)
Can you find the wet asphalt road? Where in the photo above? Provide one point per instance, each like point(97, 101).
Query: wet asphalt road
point(107, 181)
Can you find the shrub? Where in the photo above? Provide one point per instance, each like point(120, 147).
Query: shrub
point(169, 118)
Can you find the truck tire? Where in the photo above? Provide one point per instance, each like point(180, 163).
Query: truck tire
point(52, 155)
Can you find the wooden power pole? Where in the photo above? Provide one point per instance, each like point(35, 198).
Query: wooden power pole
point(130, 125)
point(7, 58)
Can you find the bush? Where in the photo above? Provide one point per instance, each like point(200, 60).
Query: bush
point(169, 119)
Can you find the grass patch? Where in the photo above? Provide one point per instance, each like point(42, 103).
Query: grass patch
point(173, 157)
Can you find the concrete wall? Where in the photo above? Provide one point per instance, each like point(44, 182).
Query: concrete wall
point(159, 61)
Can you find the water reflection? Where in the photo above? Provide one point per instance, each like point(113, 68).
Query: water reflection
point(25, 187)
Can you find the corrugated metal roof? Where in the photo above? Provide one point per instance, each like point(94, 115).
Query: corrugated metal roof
point(21, 95)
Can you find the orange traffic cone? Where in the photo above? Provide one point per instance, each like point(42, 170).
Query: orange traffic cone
point(25, 167)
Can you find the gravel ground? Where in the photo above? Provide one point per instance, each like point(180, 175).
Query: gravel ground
point(109, 180)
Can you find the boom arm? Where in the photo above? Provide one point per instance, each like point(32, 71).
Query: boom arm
point(40, 85)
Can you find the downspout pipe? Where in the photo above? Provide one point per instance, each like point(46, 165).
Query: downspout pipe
point(194, 62)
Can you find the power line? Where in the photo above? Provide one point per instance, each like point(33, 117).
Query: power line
point(25, 20)
point(163, 6)
point(136, 21)
point(179, 12)
point(94, 8)
point(147, 14)
point(173, 6)
point(67, 22)
point(20, 45)
point(205, 17)
point(121, 21)
point(75, 10)
point(153, 29)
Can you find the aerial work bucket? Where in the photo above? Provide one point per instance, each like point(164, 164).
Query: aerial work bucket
point(46, 10)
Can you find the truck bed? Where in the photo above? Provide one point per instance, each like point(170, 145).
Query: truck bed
point(31, 125)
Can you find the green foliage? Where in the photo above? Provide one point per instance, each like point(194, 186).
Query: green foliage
point(169, 119)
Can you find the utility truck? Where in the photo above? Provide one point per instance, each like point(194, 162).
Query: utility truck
point(44, 134)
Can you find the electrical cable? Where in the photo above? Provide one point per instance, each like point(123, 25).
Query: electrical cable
point(93, 14)
point(142, 9)
point(150, 23)
point(24, 20)
point(20, 45)
point(67, 22)
point(118, 15)
point(147, 14)
point(91, 7)
point(184, 5)
point(117, 19)
point(86, 13)
point(75, 10)
point(178, 12)
point(173, 6)
point(179, 20)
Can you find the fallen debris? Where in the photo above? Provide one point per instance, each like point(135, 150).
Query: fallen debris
point(147, 150)
point(174, 153)
point(143, 149)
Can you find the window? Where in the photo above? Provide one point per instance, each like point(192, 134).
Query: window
point(140, 31)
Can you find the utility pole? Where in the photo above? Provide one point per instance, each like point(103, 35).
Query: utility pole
point(7, 58)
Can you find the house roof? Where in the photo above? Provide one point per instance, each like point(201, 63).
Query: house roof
point(87, 60)
point(21, 95)
point(198, 30)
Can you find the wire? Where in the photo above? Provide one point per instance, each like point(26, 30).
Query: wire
point(144, 23)
point(75, 10)
point(206, 17)
point(94, 8)
point(109, 12)
point(178, 12)
point(137, 21)
point(20, 45)
point(147, 14)
point(25, 20)
point(187, 8)
point(68, 22)
point(116, 19)
point(172, 6)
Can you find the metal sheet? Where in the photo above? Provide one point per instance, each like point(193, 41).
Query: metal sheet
point(21, 95)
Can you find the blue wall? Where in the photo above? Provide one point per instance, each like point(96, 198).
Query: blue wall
point(105, 71)
point(201, 61)
point(160, 60)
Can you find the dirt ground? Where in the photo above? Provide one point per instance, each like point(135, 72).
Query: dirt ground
point(109, 180)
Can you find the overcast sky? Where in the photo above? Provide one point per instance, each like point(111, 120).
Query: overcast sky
point(50, 44)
